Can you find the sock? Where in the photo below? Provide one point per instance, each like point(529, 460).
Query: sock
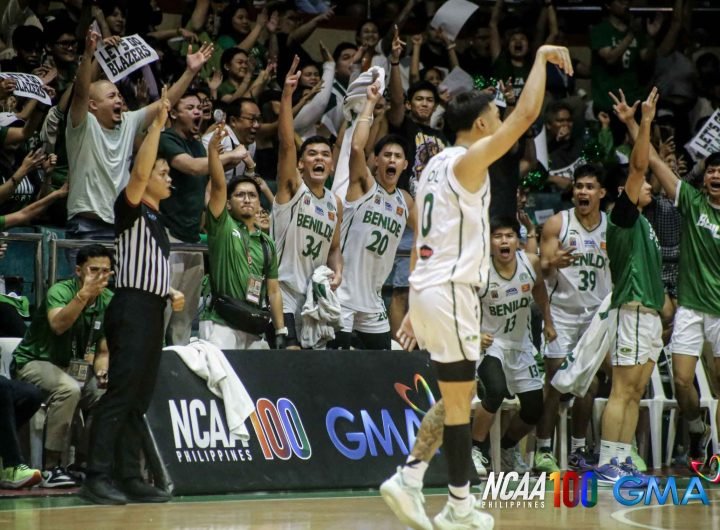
point(483, 445)
point(696, 426)
point(623, 451)
point(576, 443)
point(543, 442)
point(608, 451)
point(413, 472)
point(507, 443)
point(459, 496)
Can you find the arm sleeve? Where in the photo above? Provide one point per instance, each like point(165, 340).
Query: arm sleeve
point(625, 213)
point(59, 295)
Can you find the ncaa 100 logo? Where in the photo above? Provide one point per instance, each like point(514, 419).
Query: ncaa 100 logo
point(512, 490)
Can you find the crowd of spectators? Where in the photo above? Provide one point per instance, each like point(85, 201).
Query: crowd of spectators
point(63, 164)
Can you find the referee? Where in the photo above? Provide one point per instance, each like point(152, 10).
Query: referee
point(134, 330)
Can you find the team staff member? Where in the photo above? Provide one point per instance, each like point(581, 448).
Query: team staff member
point(238, 252)
point(134, 328)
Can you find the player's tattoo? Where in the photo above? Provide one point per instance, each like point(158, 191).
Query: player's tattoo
point(430, 434)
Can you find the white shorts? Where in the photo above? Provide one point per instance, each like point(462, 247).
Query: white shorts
point(446, 321)
point(691, 329)
point(293, 303)
point(569, 328)
point(352, 320)
point(639, 336)
point(227, 338)
point(521, 370)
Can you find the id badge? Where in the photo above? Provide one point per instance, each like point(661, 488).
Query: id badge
point(79, 370)
point(253, 290)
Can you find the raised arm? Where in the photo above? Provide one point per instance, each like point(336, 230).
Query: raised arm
point(81, 96)
point(639, 159)
point(218, 186)
point(495, 39)
point(288, 179)
point(199, 15)
point(147, 154)
point(397, 94)
point(470, 170)
point(360, 180)
point(32, 210)
point(301, 33)
point(335, 258)
point(671, 37)
point(386, 42)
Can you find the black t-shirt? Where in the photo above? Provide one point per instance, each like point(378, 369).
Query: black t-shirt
point(474, 65)
point(424, 142)
point(504, 182)
point(624, 213)
point(287, 53)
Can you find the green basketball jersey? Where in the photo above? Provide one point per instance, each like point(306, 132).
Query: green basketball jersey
point(635, 264)
point(699, 281)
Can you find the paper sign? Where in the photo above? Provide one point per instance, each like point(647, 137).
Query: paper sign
point(543, 215)
point(541, 150)
point(458, 81)
point(706, 141)
point(120, 61)
point(452, 16)
point(28, 86)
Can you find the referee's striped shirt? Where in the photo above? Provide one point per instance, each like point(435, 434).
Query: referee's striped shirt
point(142, 248)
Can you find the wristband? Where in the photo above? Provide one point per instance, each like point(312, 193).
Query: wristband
point(531, 236)
point(282, 331)
point(77, 295)
point(450, 46)
point(395, 64)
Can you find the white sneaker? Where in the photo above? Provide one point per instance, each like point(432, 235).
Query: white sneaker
point(480, 462)
point(406, 502)
point(447, 519)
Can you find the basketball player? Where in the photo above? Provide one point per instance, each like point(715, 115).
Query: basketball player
point(638, 296)
point(575, 266)
point(509, 365)
point(698, 316)
point(305, 216)
point(375, 213)
point(450, 261)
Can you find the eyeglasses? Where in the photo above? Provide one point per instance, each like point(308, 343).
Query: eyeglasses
point(251, 119)
point(67, 43)
point(249, 195)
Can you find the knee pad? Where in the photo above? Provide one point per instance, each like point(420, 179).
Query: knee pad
point(491, 374)
point(531, 406)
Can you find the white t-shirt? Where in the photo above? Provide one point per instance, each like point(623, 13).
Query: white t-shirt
point(229, 143)
point(99, 163)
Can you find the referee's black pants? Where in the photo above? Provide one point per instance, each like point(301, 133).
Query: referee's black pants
point(134, 332)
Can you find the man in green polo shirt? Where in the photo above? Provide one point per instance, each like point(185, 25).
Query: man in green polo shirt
point(66, 333)
point(238, 266)
point(638, 297)
point(698, 316)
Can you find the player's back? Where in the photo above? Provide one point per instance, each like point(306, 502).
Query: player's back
point(453, 241)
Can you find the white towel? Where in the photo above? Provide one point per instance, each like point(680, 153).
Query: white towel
point(352, 106)
point(580, 366)
point(320, 312)
point(208, 362)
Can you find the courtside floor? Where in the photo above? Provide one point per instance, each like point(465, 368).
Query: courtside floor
point(356, 510)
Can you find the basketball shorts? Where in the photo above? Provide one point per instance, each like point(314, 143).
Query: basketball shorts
point(352, 320)
point(639, 336)
point(691, 329)
point(569, 329)
point(521, 370)
point(446, 321)
point(292, 305)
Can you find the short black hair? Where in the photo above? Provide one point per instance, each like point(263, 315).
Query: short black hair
point(94, 251)
point(504, 221)
point(464, 109)
point(234, 109)
point(590, 170)
point(341, 48)
point(190, 93)
point(229, 54)
point(394, 139)
point(713, 159)
point(28, 38)
point(316, 139)
point(422, 85)
point(236, 181)
point(556, 106)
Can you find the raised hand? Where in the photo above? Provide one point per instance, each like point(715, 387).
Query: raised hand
point(417, 40)
point(163, 109)
point(188, 35)
point(373, 92)
point(397, 46)
point(623, 111)
point(7, 87)
point(216, 139)
point(215, 80)
point(557, 55)
point(325, 54)
point(564, 257)
point(195, 61)
point(604, 119)
point(91, 41)
point(649, 106)
point(293, 77)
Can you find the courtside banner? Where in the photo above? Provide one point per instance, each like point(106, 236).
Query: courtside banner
point(120, 61)
point(323, 419)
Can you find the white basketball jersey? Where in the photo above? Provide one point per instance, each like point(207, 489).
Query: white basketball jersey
point(372, 227)
point(453, 243)
point(581, 287)
point(505, 305)
point(303, 230)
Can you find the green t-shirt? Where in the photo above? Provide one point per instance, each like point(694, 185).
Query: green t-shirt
point(2, 222)
point(503, 68)
point(229, 269)
point(699, 279)
point(225, 88)
point(635, 259)
point(42, 344)
point(183, 210)
point(610, 77)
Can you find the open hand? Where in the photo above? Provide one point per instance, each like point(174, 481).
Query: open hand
point(623, 111)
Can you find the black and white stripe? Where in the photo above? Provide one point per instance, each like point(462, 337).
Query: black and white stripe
point(142, 249)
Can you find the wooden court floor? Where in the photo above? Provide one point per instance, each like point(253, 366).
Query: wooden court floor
point(336, 510)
